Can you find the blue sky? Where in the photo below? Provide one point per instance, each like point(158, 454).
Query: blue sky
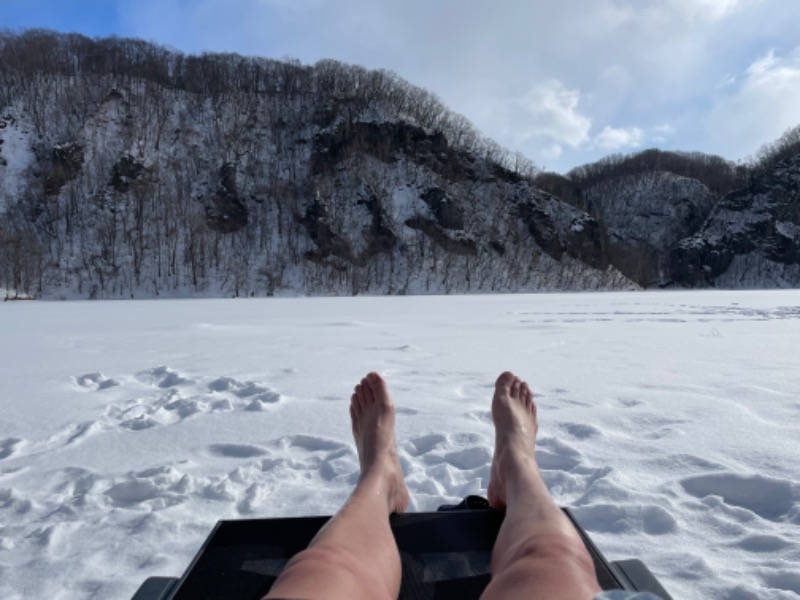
point(563, 82)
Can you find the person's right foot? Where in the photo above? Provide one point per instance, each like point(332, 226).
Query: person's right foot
point(515, 425)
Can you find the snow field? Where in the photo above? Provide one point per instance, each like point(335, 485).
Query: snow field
point(667, 421)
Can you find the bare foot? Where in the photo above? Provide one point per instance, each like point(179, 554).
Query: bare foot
point(515, 427)
point(372, 415)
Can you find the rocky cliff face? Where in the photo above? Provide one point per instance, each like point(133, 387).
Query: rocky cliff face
point(642, 217)
point(750, 239)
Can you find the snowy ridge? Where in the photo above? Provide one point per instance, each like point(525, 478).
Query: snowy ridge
point(131, 171)
point(161, 193)
point(160, 174)
point(668, 423)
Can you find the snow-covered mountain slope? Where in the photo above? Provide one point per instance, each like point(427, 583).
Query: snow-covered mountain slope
point(752, 237)
point(163, 175)
point(129, 170)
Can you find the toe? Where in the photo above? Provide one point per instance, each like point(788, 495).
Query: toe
point(379, 388)
point(531, 405)
point(504, 381)
point(515, 387)
point(375, 380)
point(358, 398)
point(369, 395)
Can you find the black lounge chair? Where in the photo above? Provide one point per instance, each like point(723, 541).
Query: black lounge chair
point(445, 555)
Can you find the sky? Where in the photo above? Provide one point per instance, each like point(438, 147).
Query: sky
point(565, 83)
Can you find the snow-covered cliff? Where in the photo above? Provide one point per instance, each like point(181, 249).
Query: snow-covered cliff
point(643, 216)
point(133, 171)
point(752, 237)
point(129, 170)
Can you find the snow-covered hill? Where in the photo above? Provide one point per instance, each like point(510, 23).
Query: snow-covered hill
point(128, 170)
point(141, 172)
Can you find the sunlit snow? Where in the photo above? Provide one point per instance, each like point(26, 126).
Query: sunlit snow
point(668, 422)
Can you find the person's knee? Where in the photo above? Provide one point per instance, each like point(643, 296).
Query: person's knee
point(334, 559)
point(553, 565)
point(555, 551)
point(345, 569)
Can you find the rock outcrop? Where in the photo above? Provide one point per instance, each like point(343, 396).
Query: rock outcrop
point(642, 217)
point(750, 239)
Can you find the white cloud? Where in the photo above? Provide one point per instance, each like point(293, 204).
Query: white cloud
point(550, 110)
point(611, 138)
point(662, 133)
point(762, 66)
point(711, 10)
point(761, 108)
point(552, 152)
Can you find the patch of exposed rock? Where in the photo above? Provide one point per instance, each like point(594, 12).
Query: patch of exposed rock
point(752, 235)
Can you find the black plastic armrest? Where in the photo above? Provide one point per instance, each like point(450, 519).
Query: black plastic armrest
point(635, 573)
point(156, 588)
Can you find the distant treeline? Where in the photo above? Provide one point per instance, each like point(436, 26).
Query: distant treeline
point(353, 90)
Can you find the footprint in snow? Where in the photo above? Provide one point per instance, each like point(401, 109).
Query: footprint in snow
point(95, 381)
point(76, 432)
point(553, 454)
point(159, 487)
point(581, 431)
point(550, 461)
point(423, 444)
point(162, 377)
point(259, 394)
point(139, 423)
point(782, 579)
point(469, 458)
point(763, 543)
point(9, 446)
point(222, 394)
point(628, 402)
point(616, 518)
point(184, 407)
point(768, 497)
point(10, 499)
point(237, 450)
point(313, 443)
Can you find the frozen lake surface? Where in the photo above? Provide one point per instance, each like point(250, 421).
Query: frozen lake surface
point(668, 421)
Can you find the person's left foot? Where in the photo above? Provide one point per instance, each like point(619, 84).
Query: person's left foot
point(372, 415)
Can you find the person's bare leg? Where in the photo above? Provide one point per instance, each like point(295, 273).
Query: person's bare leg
point(538, 553)
point(355, 555)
